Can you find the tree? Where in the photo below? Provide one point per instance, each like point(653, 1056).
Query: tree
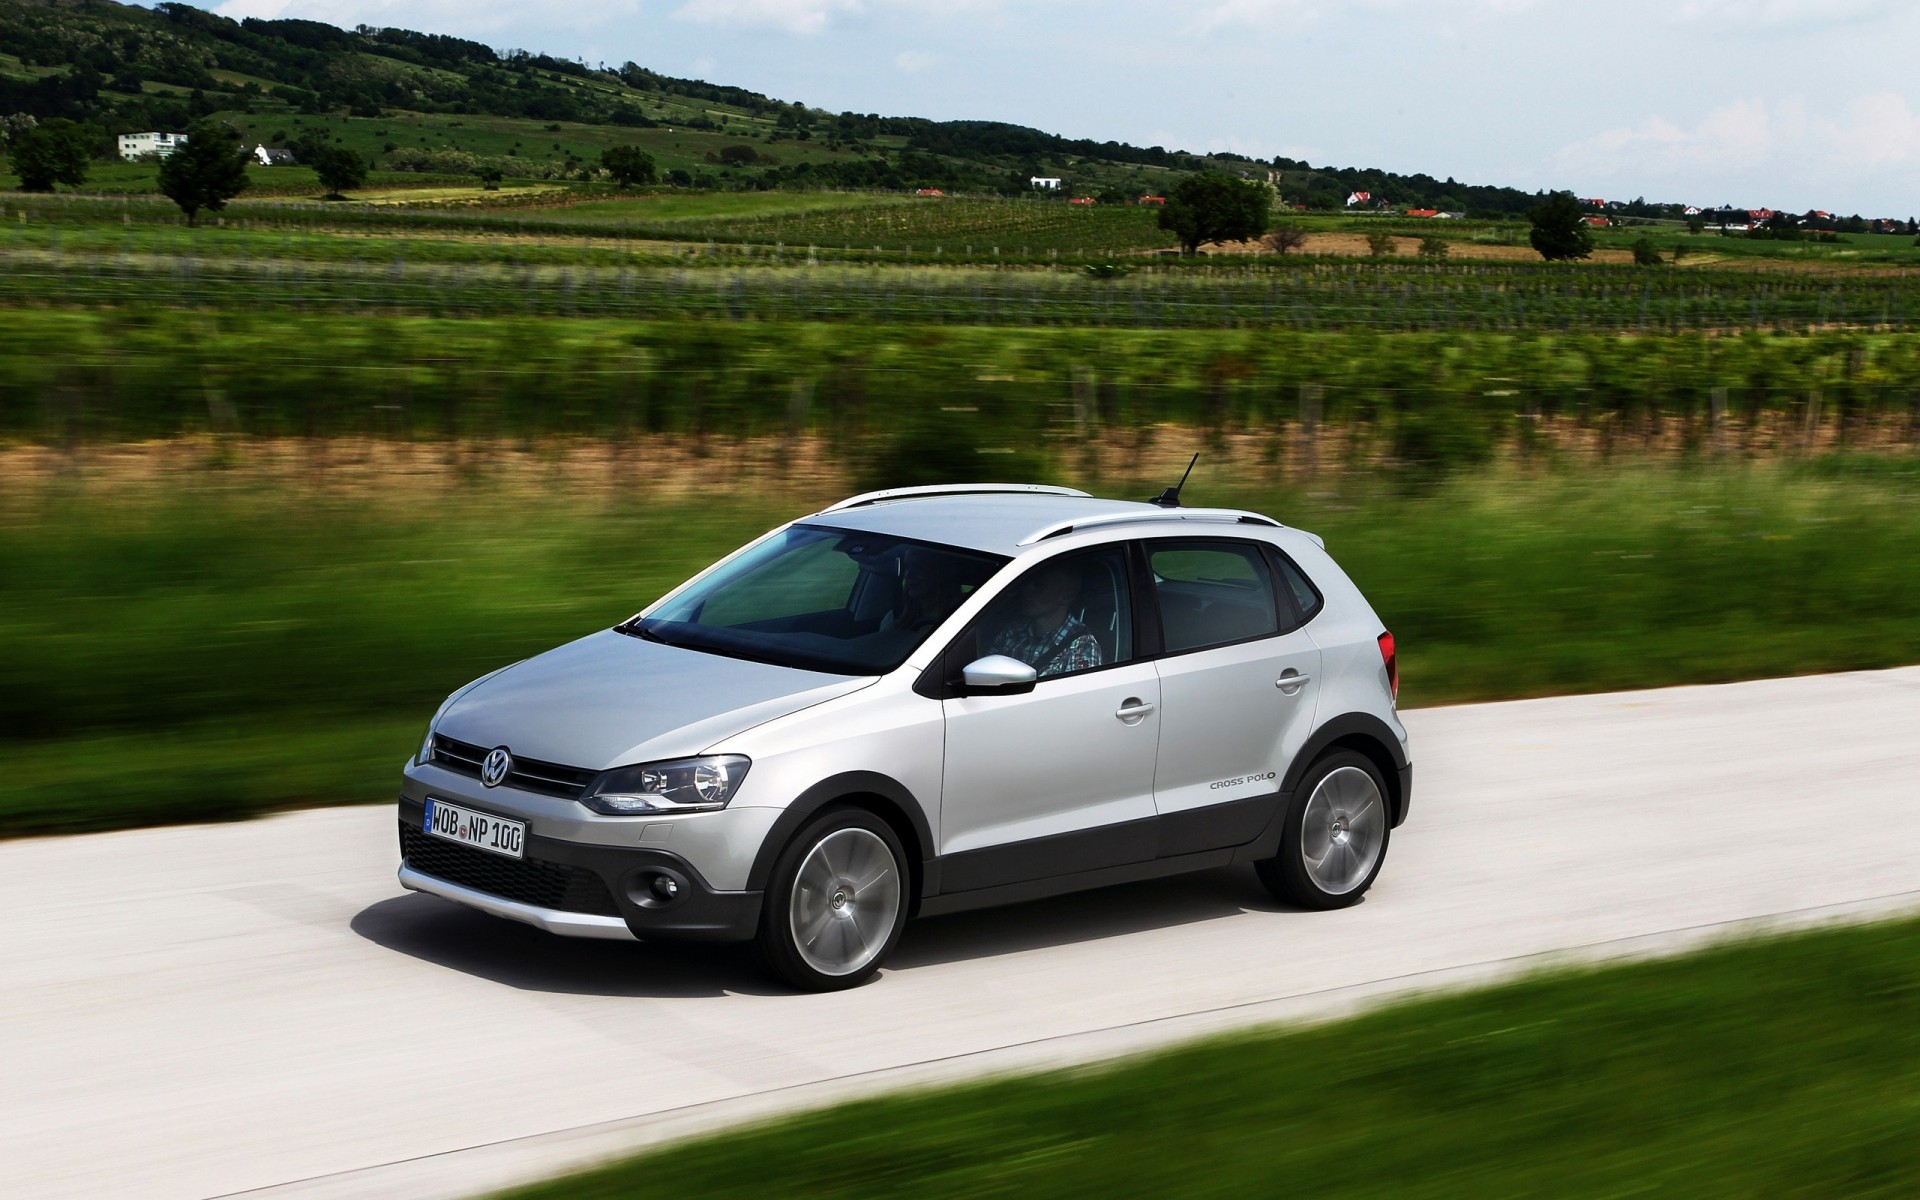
point(490, 177)
point(338, 168)
point(1213, 207)
point(1560, 231)
point(1285, 239)
point(628, 165)
point(1435, 247)
point(53, 152)
point(208, 171)
point(1644, 253)
point(1380, 245)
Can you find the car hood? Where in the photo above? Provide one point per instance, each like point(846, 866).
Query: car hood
point(608, 700)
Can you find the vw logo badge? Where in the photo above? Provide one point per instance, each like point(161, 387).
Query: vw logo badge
point(495, 766)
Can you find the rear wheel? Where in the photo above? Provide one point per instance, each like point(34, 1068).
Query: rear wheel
point(1335, 836)
point(836, 902)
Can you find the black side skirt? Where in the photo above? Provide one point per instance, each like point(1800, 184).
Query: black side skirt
point(1215, 836)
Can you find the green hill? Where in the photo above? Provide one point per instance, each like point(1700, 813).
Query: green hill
point(429, 102)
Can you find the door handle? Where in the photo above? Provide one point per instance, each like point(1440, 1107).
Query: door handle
point(1134, 710)
point(1291, 683)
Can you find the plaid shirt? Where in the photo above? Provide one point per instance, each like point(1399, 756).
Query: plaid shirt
point(1068, 648)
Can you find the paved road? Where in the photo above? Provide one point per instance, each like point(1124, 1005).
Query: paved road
point(252, 1008)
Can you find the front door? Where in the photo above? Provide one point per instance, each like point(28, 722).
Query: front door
point(1060, 779)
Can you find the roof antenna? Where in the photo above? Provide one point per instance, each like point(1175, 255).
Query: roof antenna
point(1171, 497)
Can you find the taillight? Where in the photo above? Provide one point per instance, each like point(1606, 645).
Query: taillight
point(1392, 663)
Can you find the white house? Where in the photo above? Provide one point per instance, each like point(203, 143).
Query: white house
point(1043, 181)
point(273, 156)
point(1359, 198)
point(133, 145)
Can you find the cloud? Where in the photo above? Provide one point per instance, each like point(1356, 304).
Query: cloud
point(1879, 130)
point(790, 16)
point(1224, 13)
point(911, 61)
point(817, 16)
point(1776, 153)
point(1745, 13)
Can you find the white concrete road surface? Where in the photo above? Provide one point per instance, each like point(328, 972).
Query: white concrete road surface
point(258, 1008)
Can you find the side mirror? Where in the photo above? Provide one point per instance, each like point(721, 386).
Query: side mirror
point(998, 675)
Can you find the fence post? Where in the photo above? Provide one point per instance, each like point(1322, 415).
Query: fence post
point(1085, 405)
point(1309, 428)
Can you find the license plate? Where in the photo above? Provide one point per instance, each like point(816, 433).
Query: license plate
point(496, 835)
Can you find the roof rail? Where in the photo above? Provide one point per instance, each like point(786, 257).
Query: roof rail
point(951, 489)
point(1217, 516)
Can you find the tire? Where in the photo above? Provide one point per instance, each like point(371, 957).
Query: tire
point(1335, 836)
point(836, 902)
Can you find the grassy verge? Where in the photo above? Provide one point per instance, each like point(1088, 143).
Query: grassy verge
point(1782, 1068)
point(230, 649)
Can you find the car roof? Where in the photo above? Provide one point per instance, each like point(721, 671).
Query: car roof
point(1006, 522)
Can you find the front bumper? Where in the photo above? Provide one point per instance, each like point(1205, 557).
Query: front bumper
point(553, 920)
point(577, 890)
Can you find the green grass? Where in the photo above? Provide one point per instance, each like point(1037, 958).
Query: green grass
point(282, 645)
point(1780, 1068)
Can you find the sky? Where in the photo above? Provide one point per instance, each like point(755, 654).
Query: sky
point(1790, 104)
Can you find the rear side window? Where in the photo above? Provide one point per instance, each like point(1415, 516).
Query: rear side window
point(1306, 597)
point(1212, 593)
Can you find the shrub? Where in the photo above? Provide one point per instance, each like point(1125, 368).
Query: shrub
point(1434, 247)
point(1380, 245)
point(1284, 239)
point(949, 447)
point(1644, 253)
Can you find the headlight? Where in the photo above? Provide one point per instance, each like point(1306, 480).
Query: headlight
point(683, 785)
point(425, 755)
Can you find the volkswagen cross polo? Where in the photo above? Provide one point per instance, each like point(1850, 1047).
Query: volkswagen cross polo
point(921, 701)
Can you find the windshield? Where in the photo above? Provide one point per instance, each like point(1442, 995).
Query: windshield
point(822, 600)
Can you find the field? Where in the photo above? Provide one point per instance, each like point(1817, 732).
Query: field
point(273, 485)
point(840, 257)
point(263, 632)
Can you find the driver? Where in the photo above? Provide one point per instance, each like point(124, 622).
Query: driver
point(1046, 637)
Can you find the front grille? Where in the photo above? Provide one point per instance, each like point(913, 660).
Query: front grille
point(528, 880)
point(528, 774)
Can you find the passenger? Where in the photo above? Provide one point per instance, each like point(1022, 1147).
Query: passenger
point(931, 589)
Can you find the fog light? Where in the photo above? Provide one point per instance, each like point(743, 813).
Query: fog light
point(657, 888)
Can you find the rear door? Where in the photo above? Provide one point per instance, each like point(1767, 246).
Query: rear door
point(1238, 686)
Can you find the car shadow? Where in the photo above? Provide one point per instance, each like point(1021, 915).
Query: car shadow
point(1085, 916)
point(520, 956)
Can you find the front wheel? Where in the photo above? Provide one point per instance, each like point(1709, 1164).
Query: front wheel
point(1335, 836)
point(836, 903)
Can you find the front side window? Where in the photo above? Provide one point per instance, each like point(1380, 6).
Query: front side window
point(1066, 615)
point(1211, 593)
point(822, 600)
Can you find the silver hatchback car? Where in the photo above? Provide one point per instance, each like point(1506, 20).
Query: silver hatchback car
point(920, 701)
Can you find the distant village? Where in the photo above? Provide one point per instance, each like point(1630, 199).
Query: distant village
point(1603, 214)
